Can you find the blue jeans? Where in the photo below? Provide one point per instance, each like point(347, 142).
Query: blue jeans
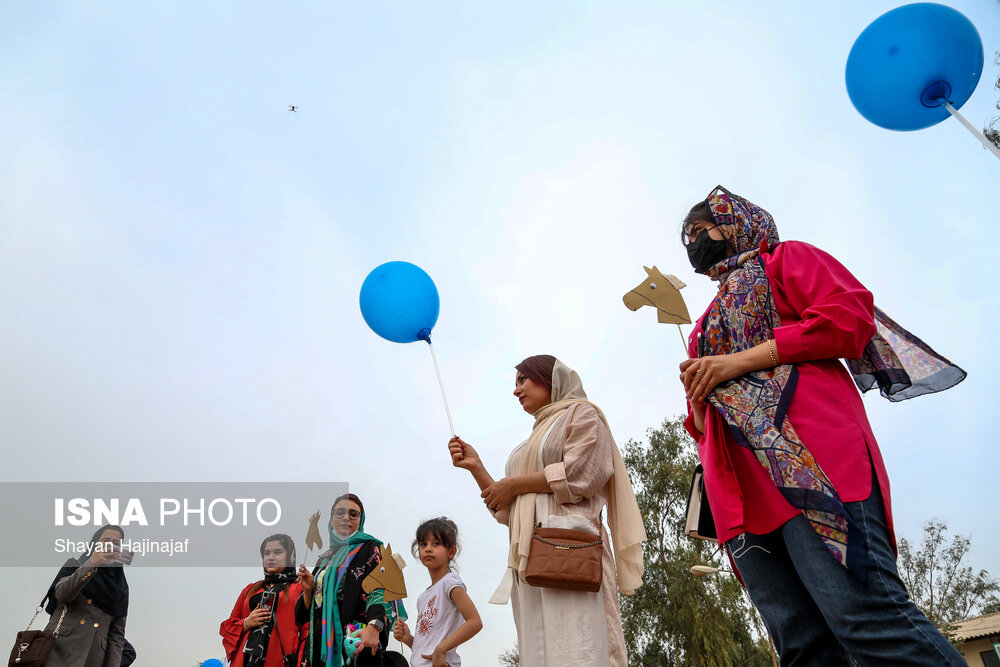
point(819, 614)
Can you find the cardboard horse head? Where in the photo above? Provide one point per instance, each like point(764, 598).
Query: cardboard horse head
point(663, 293)
point(388, 576)
point(313, 539)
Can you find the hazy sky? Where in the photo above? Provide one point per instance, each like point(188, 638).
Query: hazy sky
point(180, 256)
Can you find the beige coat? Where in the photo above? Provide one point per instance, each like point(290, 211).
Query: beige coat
point(87, 637)
point(578, 464)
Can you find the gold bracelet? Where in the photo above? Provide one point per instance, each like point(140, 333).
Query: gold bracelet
point(771, 351)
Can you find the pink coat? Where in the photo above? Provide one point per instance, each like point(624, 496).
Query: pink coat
point(826, 315)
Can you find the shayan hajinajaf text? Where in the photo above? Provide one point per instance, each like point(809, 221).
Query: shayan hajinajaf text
point(138, 547)
point(195, 512)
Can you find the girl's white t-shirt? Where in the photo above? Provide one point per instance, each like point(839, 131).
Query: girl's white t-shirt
point(437, 617)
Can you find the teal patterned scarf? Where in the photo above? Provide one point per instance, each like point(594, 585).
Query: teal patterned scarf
point(333, 565)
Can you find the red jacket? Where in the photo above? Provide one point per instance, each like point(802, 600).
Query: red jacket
point(234, 637)
point(826, 315)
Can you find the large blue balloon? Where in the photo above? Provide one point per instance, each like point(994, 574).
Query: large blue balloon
point(908, 59)
point(400, 302)
point(212, 662)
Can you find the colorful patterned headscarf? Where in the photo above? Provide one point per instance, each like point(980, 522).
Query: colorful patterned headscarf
point(754, 405)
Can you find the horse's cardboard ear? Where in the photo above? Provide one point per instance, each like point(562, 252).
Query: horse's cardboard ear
point(675, 281)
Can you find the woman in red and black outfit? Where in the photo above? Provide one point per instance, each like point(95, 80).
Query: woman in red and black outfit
point(793, 473)
point(261, 631)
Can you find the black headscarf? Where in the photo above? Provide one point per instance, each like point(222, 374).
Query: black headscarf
point(107, 587)
point(255, 649)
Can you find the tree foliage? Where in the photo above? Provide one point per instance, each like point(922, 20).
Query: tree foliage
point(990, 130)
point(509, 657)
point(676, 618)
point(944, 589)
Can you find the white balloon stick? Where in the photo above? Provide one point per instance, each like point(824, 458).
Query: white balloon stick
point(976, 133)
point(444, 398)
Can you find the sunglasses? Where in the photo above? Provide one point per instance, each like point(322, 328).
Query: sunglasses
point(340, 512)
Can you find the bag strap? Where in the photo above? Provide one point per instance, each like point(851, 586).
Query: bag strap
point(61, 617)
point(38, 610)
point(277, 627)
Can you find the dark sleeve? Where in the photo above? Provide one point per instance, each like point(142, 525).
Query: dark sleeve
point(67, 588)
point(116, 642)
point(128, 654)
point(303, 615)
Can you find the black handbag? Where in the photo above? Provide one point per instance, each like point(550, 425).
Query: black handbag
point(700, 524)
point(32, 647)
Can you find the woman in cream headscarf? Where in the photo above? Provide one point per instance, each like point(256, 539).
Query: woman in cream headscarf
point(569, 469)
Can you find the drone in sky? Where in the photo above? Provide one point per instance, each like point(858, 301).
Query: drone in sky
point(292, 107)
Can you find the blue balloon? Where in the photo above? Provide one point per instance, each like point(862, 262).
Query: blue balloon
point(212, 662)
point(400, 302)
point(907, 61)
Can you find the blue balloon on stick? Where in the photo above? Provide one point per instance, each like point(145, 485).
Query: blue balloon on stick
point(909, 61)
point(400, 302)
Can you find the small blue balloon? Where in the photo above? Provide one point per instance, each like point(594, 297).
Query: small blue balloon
point(212, 662)
point(400, 302)
point(908, 61)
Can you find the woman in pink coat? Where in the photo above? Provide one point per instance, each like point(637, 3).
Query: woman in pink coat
point(793, 473)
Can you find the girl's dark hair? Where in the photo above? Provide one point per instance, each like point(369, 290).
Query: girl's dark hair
point(348, 496)
point(286, 542)
point(443, 528)
point(699, 211)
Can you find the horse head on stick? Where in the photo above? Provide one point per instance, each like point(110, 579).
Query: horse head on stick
point(663, 293)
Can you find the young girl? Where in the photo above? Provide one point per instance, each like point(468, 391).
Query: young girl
point(446, 616)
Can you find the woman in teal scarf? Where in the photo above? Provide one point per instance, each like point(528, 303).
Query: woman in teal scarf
point(332, 596)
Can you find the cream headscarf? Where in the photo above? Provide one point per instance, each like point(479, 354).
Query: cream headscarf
point(624, 520)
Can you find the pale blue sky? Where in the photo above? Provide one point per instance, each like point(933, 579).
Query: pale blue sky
point(180, 256)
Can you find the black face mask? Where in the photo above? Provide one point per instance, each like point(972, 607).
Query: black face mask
point(705, 251)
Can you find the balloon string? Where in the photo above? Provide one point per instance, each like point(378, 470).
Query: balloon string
point(976, 133)
point(444, 398)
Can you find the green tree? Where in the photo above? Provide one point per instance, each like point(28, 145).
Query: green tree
point(944, 589)
point(676, 618)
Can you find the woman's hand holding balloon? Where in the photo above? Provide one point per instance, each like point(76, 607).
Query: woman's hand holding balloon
point(463, 455)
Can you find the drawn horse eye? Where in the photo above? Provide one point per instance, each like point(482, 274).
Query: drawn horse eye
point(652, 285)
